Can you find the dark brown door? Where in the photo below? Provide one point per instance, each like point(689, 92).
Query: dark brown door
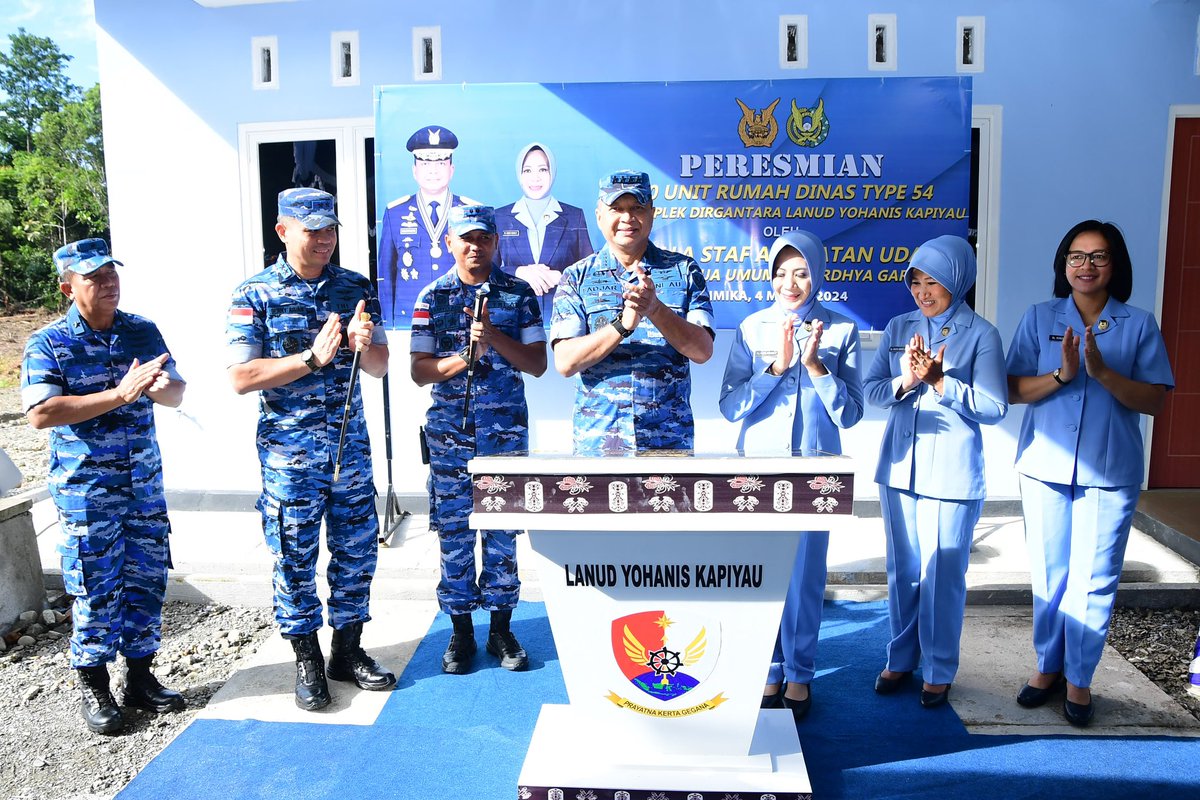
point(1175, 450)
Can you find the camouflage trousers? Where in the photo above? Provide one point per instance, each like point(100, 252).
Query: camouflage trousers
point(293, 507)
point(115, 564)
point(462, 589)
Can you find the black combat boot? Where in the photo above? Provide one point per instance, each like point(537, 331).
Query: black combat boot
point(100, 710)
point(502, 644)
point(457, 658)
point(142, 689)
point(312, 692)
point(349, 662)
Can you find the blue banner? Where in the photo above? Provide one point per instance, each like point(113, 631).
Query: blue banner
point(872, 166)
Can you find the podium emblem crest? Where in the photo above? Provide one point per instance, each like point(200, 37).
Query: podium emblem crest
point(665, 657)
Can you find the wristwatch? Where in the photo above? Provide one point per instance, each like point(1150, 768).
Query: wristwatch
point(310, 360)
point(621, 329)
point(1057, 379)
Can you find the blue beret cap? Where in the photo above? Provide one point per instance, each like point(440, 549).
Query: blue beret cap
point(432, 143)
point(83, 257)
point(464, 219)
point(312, 207)
point(624, 181)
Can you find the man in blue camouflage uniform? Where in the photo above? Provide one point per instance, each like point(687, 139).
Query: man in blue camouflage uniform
point(627, 320)
point(411, 251)
point(506, 340)
point(285, 340)
point(93, 378)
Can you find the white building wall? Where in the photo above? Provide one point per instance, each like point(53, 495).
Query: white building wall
point(1085, 87)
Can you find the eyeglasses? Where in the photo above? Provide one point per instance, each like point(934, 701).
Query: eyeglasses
point(1099, 258)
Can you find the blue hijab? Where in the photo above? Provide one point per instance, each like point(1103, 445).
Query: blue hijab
point(813, 251)
point(949, 260)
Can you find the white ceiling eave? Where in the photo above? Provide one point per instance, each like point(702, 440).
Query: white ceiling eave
point(223, 3)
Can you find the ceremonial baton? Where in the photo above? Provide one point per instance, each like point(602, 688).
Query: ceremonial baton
point(480, 295)
point(337, 464)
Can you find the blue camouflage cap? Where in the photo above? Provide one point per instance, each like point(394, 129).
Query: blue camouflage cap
point(83, 257)
point(464, 219)
point(312, 207)
point(624, 181)
point(432, 143)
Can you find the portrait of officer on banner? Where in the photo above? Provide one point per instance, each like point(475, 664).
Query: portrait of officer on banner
point(411, 248)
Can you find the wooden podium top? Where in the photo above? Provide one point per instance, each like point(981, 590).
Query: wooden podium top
point(516, 489)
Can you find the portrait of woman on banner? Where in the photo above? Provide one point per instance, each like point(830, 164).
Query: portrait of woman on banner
point(540, 236)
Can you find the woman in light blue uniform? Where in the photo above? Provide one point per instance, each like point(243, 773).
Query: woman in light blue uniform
point(792, 380)
point(1080, 452)
point(939, 371)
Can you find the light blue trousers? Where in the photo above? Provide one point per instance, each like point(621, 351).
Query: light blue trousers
point(928, 549)
point(795, 658)
point(1076, 537)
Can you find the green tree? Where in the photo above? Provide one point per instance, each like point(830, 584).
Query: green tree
point(34, 82)
point(61, 184)
point(52, 182)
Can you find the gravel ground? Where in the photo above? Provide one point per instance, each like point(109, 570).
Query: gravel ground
point(1159, 643)
point(46, 752)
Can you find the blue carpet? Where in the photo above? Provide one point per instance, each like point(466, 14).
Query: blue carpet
point(466, 736)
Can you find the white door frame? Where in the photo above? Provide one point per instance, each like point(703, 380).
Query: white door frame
point(348, 136)
point(989, 119)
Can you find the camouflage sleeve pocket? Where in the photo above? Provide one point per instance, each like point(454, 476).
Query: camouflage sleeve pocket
point(72, 569)
point(601, 317)
point(288, 334)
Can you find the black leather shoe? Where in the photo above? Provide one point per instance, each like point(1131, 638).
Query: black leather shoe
point(349, 662)
point(1033, 697)
point(1079, 714)
point(142, 689)
point(461, 649)
point(890, 685)
point(457, 658)
point(502, 644)
point(505, 646)
point(772, 700)
point(312, 690)
point(934, 699)
point(799, 708)
point(100, 710)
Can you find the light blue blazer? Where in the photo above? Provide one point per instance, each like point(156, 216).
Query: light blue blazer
point(1081, 434)
point(932, 445)
point(767, 406)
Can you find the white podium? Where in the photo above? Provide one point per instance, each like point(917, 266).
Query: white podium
point(664, 579)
